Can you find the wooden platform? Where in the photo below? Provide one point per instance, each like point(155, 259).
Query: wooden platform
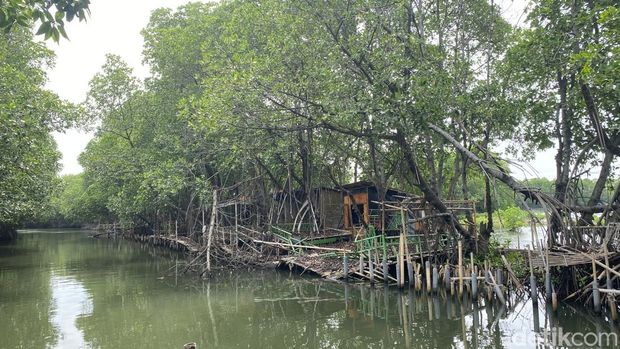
point(562, 258)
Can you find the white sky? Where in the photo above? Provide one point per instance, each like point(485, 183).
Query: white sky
point(114, 27)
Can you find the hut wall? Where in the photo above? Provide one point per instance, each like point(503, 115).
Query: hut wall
point(329, 207)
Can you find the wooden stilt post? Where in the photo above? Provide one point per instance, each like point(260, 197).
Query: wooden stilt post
point(548, 284)
point(611, 298)
point(446, 277)
point(499, 278)
point(401, 250)
point(460, 248)
point(435, 278)
point(418, 277)
point(401, 261)
point(409, 266)
point(474, 286)
point(385, 268)
point(487, 280)
point(427, 269)
point(548, 290)
point(596, 294)
point(345, 267)
point(498, 291)
point(361, 268)
point(371, 269)
point(533, 286)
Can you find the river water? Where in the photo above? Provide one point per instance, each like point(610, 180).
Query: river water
point(62, 289)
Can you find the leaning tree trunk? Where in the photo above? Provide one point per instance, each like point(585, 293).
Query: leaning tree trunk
point(595, 197)
point(419, 181)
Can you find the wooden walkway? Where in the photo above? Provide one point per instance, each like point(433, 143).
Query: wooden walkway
point(562, 258)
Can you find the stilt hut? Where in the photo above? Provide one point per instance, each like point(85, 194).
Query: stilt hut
point(365, 197)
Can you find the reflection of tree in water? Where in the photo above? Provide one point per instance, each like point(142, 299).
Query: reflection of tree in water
point(132, 306)
point(25, 296)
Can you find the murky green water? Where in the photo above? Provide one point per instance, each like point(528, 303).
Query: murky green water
point(66, 290)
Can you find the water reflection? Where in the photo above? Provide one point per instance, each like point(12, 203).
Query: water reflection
point(69, 291)
point(71, 302)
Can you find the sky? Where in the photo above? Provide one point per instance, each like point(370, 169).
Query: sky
point(114, 27)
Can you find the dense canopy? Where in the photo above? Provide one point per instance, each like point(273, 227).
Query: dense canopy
point(254, 97)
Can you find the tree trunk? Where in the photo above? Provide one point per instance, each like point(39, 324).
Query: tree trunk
point(429, 194)
point(595, 197)
point(209, 237)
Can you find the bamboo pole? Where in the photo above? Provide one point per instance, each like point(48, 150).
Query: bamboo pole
point(418, 277)
point(611, 299)
point(409, 265)
point(401, 262)
point(385, 267)
point(446, 275)
point(533, 286)
point(487, 281)
point(371, 269)
point(498, 291)
point(460, 248)
point(596, 295)
point(401, 250)
point(511, 273)
point(427, 272)
point(474, 287)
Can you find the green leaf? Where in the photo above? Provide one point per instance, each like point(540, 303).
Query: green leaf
point(70, 14)
point(55, 34)
point(44, 28)
point(62, 31)
point(59, 16)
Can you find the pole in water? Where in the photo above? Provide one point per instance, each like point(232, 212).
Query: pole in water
point(418, 277)
point(499, 277)
point(460, 248)
point(435, 278)
point(474, 286)
point(372, 270)
point(410, 273)
point(487, 281)
point(596, 294)
point(548, 290)
point(446, 277)
point(534, 289)
point(345, 267)
point(386, 272)
point(401, 260)
point(611, 300)
point(428, 276)
point(398, 271)
point(361, 264)
point(533, 286)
